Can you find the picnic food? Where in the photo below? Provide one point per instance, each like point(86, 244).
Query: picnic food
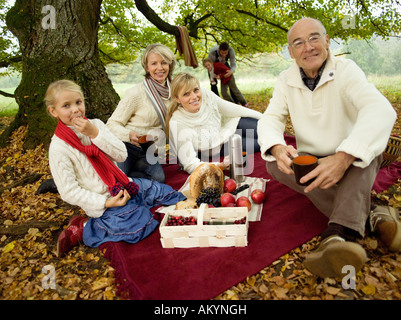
point(229, 185)
point(244, 202)
point(258, 196)
point(226, 199)
point(206, 175)
point(210, 196)
point(186, 204)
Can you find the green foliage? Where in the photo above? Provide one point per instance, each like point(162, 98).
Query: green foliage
point(377, 56)
point(250, 26)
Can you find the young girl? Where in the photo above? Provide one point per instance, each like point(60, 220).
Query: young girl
point(201, 123)
point(81, 158)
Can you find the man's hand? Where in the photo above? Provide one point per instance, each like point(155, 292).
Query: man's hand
point(329, 171)
point(85, 127)
point(119, 200)
point(228, 73)
point(284, 156)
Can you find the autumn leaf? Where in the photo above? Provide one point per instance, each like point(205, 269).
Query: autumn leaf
point(9, 247)
point(370, 289)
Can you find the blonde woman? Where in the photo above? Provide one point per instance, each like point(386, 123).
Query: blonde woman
point(200, 123)
point(143, 110)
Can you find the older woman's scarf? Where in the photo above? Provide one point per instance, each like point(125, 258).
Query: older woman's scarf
point(156, 92)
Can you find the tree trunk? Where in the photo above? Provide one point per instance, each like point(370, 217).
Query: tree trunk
point(67, 49)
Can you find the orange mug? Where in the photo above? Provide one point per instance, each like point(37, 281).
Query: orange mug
point(302, 165)
point(145, 142)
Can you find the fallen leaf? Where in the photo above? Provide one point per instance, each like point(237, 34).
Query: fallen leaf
point(9, 247)
point(370, 289)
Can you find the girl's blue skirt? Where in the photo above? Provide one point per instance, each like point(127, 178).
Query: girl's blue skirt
point(134, 221)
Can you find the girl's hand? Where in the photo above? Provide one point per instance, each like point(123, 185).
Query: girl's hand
point(85, 127)
point(133, 137)
point(225, 165)
point(119, 200)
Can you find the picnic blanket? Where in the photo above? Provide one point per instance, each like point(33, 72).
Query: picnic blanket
point(145, 270)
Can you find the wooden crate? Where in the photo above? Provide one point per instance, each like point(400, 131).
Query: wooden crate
point(210, 235)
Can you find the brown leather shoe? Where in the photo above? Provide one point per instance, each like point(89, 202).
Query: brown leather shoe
point(332, 255)
point(385, 222)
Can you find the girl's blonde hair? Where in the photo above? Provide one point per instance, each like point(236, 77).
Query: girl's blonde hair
point(164, 52)
point(182, 81)
point(56, 87)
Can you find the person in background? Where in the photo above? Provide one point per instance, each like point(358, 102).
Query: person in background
point(142, 111)
point(225, 54)
point(201, 123)
point(81, 159)
point(346, 122)
point(208, 64)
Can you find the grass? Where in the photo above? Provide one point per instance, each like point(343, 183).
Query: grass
point(256, 90)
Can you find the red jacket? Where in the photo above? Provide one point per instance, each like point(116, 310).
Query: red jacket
point(221, 69)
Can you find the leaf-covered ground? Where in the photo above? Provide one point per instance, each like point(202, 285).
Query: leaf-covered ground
point(30, 224)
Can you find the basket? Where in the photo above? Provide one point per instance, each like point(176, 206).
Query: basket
point(220, 232)
point(392, 152)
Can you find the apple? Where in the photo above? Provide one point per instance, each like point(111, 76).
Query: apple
point(258, 196)
point(229, 185)
point(244, 202)
point(231, 204)
point(227, 198)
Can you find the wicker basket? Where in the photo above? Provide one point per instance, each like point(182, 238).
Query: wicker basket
point(200, 235)
point(392, 152)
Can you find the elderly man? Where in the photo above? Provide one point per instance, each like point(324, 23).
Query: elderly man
point(344, 121)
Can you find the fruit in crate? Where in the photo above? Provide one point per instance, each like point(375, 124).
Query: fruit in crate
point(244, 202)
point(180, 221)
point(226, 199)
point(206, 175)
point(209, 196)
point(229, 185)
point(258, 196)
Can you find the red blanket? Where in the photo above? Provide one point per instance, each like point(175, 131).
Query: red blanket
point(147, 271)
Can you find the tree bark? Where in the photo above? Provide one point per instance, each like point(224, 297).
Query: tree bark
point(68, 51)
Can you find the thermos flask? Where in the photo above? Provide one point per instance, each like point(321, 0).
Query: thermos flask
point(236, 158)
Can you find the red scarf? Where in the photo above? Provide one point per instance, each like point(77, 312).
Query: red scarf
point(111, 175)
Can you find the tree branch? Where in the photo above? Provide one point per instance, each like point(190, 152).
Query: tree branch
point(260, 19)
point(153, 17)
point(6, 63)
point(6, 94)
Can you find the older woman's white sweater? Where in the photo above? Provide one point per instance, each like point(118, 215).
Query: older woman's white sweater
point(206, 130)
point(135, 112)
point(77, 181)
point(344, 113)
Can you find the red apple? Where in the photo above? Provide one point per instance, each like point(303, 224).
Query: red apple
point(244, 202)
point(258, 196)
point(231, 204)
point(229, 185)
point(227, 198)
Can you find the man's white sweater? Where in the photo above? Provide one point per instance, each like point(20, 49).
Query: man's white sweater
point(344, 113)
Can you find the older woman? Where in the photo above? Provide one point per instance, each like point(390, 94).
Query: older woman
point(200, 123)
point(142, 111)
